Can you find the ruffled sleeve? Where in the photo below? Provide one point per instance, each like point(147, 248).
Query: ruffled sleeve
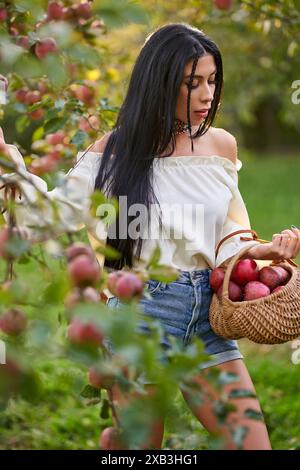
point(237, 219)
point(63, 209)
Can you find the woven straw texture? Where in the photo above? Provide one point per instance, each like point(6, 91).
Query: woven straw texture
point(269, 320)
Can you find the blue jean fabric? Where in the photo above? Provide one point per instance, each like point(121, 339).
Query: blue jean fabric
point(182, 307)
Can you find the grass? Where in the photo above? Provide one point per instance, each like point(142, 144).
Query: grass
point(60, 420)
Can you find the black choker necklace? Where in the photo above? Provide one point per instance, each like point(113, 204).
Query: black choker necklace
point(180, 127)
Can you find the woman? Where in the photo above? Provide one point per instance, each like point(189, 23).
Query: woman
point(164, 150)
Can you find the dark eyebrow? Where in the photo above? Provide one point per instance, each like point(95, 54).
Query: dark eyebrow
point(200, 76)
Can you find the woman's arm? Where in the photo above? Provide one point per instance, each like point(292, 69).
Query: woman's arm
point(285, 245)
point(237, 218)
point(44, 213)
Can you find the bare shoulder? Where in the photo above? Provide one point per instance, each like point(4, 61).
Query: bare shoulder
point(225, 143)
point(99, 145)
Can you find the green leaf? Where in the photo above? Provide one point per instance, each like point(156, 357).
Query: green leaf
point(104, 411)
point(222, 410)
point(28, 67)
point(55, 70)
point(55, 292)
point(41, 104)
point(16, 246)
point(155, 257)
point(55, 124)
point(16, 82)
point(21, 123)
point(38, 134)
point(79, 139)
point(241, 393)
point(84, 54)
point(163, 274)
point(111, 207)
point(109, 252)
point(90, 392)
point(120, 12)
point(253, 414)
point(226, 378)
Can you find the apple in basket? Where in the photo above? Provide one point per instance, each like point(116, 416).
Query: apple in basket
point(235, 292)
point(246, 270)
point(248, 282)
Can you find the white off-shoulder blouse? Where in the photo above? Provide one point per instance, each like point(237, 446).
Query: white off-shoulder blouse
point(198, 196)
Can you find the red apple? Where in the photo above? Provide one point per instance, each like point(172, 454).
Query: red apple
point(55, 155)
point(55, 11)
point(89, 294)
point(43, 165)
point(83, 10)
point(84, 94)
point(235, 293)
point(112, 281)
point(78, 249)
point(216, 278)
point(100, 379)
point(69, 13)
point(23, 41)
point(44, 47)
point(21, 95)
point(83, 271)
point(129, 287)
point(3, 14)
point(13, 322)
point(246, 270)
point(84, 334)
point(255, 290)
point(32, 97)
point(110, 439)
point(37, 114)
point(56, 138)
point(270, 277)
point(283, 273)
point(223, 4)
point(89, 124)
point(277, 289)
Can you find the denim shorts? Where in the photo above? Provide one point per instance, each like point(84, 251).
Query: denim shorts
point(182, 308)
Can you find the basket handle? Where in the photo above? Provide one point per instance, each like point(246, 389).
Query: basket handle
point(255, 237)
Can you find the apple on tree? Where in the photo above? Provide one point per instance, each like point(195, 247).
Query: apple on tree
point(223, 4)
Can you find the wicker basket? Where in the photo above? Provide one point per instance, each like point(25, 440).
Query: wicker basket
point(269, 320)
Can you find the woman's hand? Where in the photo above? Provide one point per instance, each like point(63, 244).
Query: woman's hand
point(284, 245)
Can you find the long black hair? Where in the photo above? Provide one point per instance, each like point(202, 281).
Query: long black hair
point(145, 125)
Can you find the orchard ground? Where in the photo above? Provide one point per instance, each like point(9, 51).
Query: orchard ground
point(61, 420)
